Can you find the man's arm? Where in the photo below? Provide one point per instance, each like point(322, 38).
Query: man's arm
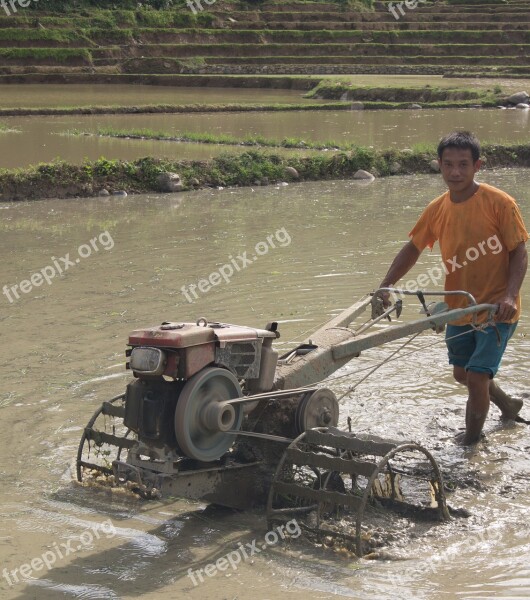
point(518, 263)
point(401, 265)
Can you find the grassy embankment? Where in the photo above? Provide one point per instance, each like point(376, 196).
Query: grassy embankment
point(66, 180)
point(171, 109)
point(335, 89)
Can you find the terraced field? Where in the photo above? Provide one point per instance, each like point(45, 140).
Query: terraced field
point(291, 38)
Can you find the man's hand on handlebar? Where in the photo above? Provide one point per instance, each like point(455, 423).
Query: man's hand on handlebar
point(507, 309)
point(380, 302)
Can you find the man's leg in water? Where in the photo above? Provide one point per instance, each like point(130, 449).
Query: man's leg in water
point(478, 402)
point(509, 407)
point(478, 405)
point(476, 357)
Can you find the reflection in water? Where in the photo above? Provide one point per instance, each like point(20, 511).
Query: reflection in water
point(62, 354)
point(37, 141)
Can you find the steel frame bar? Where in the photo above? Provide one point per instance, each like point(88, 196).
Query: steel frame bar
point(389, 334)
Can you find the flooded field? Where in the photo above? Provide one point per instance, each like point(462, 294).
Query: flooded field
point(37, 139)
point(50, 95)
point(62, 354)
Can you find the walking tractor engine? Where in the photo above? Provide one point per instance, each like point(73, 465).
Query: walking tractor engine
point(185, 373)
point(213, 413)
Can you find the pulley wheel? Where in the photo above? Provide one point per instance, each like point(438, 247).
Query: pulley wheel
point(317, 409)
point(200, 420)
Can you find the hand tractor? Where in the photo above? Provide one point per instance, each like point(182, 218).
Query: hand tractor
point(214, 413)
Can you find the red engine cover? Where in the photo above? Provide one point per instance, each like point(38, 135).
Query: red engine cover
point(172, 335)
point(184, 335)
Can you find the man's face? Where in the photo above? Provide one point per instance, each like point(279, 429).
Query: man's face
point(458, 168)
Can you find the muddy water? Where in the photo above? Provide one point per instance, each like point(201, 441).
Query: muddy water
point(37, 95)
point(62, 354)
point(37, 139)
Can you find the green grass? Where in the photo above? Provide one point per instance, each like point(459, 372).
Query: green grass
point(171, 109)
point(210, 138)
point(105, 18)
point(335, 89)
point(6, 129)
point(424, 148)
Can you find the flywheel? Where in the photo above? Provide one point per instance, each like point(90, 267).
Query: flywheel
point(317, 409)
point(201, 417)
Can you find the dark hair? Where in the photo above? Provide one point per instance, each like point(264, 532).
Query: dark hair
point(463, 140)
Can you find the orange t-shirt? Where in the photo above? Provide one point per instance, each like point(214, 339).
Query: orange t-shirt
point(476, 237)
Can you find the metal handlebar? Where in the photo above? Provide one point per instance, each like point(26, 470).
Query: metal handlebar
point(469, 296)
point(421, 293)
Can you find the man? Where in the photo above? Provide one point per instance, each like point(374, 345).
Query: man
point(482, 241)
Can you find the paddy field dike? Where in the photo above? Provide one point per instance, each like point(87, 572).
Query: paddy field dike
point(258, 38)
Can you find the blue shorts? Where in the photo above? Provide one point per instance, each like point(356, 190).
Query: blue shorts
point(479, 351)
